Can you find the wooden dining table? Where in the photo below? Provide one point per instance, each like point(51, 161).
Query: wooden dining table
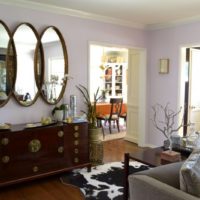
point(104, 108)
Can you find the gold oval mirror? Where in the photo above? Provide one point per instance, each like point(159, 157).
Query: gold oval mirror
point(55, 65)
point(7, 64)
point(26, 40)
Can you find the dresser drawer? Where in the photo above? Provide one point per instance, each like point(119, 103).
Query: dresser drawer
point(33, 144)
point(22, 169)
point(76, 143)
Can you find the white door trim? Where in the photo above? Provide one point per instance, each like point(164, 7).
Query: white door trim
point(142, 98)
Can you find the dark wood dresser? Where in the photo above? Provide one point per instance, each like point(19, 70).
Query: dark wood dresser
point(30, 153)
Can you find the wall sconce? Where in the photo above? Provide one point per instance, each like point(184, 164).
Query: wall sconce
point(164, 66)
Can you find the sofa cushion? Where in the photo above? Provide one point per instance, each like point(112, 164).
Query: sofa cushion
point(168, 174)
point(190, 174)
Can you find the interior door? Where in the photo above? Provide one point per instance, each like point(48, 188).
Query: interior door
point(194, 93)
point(133, 96)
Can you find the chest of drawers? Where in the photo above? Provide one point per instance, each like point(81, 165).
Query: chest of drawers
point(29, 153)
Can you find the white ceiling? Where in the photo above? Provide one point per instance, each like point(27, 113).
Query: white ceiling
point(134, 13)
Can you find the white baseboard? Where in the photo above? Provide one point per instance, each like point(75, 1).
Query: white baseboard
point(149, 145)
point(134, 140)
point(131, 139)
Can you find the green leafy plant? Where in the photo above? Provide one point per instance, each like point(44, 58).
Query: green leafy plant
point(91, 106)
point(61, 107)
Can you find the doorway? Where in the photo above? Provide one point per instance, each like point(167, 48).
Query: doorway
point(108, 71)
point(190, 87)
point(134, 84)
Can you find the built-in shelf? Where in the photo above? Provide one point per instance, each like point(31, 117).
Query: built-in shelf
point(114, 78)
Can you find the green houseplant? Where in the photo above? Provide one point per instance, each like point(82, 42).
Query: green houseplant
point(58, 112)
point(61, 107)
point(95, 144)
point(91, 106)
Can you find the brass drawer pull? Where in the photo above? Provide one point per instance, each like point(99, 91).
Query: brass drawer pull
point(76, 151)
point(5, 159)
point(76, 142)
point(4, 141)
point(34, 145)
point(60, 133)
point(76, 160)
point(76, 128)
point(60, 149)
point(76, 134)
point(35, 169)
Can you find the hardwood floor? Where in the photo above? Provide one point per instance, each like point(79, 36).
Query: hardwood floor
point(114, 150)
point(52, 189)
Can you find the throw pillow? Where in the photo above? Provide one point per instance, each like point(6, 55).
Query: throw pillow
point(190, 174)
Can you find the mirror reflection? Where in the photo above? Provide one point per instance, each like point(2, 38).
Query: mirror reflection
point(7, 68)
point(25, 39)
point(55, 65)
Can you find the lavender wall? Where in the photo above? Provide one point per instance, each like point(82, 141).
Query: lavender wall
point(77, 34)
point(166, 43)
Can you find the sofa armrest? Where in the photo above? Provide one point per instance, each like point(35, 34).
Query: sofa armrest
point(144, 187)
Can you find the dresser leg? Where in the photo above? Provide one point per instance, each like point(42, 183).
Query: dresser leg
point(89, 168)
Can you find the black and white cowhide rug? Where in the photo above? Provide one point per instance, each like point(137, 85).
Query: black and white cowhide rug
point(104, 182)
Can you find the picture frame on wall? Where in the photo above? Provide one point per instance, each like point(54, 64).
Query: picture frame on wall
point(164, 66)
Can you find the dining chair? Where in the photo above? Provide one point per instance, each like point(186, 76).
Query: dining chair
point(114, 114)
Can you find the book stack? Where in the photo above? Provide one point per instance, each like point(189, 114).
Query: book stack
point(171, 156)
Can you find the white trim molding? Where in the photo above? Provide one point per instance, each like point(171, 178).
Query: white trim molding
point(70, 12)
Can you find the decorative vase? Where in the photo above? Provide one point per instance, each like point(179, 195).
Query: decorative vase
point(94, 134)
point(95, 146)
point(168, 144)
point(59, 115)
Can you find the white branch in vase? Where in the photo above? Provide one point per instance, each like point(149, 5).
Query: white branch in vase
point(165, 122)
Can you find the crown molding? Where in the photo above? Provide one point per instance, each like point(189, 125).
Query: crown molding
point(70, 12)
point(100, 18)
point(173, 23)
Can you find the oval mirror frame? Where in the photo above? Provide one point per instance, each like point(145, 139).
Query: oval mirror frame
point(7, 64)
point(39, 70)
point(27, 93)
point(45, 92)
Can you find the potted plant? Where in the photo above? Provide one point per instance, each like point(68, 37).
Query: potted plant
point(58, 112)
point(95, 144)
point(91, 106)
